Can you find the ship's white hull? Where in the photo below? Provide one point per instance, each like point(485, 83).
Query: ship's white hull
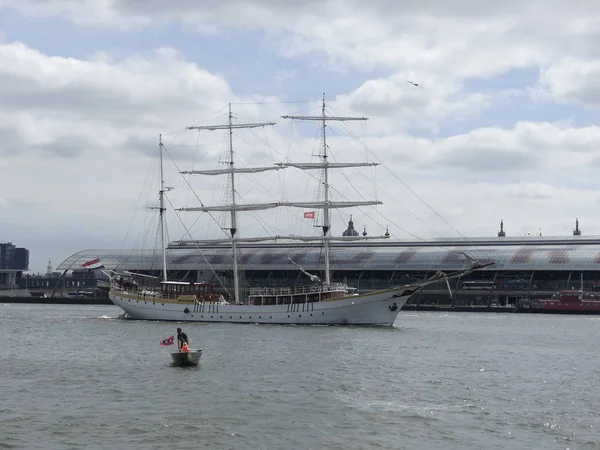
point(375, 308)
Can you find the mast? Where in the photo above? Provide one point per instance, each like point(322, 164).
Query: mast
point(236, 279)
point(161, 206)
point(325, 166)
point(326, 220)
point(233, 207)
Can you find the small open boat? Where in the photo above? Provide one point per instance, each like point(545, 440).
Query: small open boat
point(189, 358)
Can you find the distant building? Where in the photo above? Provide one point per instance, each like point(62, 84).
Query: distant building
point(576, 231)
point(502, 233)
point(58, 284)
point(21, 259)
point(12, 257)
point(350, 231)
point(13, 262)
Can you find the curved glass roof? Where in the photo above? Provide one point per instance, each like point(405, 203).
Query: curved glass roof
point(563, 254)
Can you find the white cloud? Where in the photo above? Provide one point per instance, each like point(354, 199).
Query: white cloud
point(438, 44)
point(536, 149)
point(78, 131)
point(462, 39)
point(397, 105)
point(141, 86)
point(531, 191)
point(71, 125)
point(573, 80)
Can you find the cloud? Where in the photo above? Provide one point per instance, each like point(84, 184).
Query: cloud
point(398, 105)
point(79, 134)
point(465, 38)
point(573, 80)
point(438, 45)
point(68, 106)
point(495, 153)
point(79, 131)
point(531, 191)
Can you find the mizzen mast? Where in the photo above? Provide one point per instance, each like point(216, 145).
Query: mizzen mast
point(325, 165)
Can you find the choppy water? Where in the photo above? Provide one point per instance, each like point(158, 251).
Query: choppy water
point(77, 377)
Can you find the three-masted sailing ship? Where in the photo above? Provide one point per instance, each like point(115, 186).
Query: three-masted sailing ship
point(320, 301)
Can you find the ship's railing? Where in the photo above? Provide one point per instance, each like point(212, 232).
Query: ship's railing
point(148, 294)
point(298, 290)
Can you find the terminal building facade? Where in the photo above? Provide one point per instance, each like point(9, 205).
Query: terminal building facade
point(525, 267)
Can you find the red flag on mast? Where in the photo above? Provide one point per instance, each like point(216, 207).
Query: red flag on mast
point(309, 215)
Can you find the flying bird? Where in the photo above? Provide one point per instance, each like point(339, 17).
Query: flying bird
point(415, 84)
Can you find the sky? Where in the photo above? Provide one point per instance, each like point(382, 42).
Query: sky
point(503, 124)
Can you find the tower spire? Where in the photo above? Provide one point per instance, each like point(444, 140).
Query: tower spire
point(576, 231)
point(501, 233)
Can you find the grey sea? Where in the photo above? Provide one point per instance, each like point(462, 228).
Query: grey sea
point(76, 377)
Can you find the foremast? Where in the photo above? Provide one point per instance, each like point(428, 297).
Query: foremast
point(161, 208)
point(324, 165)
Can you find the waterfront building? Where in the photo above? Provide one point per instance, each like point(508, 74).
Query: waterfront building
point(13, 262)
point(525, 266)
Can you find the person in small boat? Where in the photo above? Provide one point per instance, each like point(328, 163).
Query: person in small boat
point(185, 348)
point(181, 338)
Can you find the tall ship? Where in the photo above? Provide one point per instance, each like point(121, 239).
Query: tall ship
point(320, 300)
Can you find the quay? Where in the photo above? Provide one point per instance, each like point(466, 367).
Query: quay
point(57, 300)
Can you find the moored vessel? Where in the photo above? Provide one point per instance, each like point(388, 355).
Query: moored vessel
point(568, 301)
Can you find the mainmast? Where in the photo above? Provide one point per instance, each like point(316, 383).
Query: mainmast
point(326, 219)
point(236, 279)
point(325, 166)
point(231, 171)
